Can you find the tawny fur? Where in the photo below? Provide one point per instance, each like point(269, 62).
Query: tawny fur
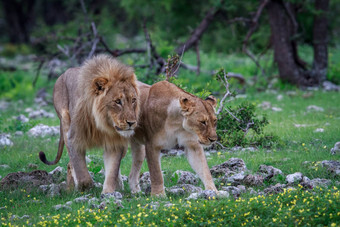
point(84, 99)
point(171, 116)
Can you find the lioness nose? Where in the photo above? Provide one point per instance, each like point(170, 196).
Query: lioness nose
point(130, 123)
point(212, 139)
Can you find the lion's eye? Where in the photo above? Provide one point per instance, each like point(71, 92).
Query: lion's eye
point(133, 100)
point(118, 101)
point(203, 122)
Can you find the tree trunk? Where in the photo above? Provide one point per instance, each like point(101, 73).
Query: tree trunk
point(283, 27)
point(320, 40)
point(284, 49)
point(18, 15)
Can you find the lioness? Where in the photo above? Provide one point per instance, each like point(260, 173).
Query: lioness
point(171, 116)
point(98, 106)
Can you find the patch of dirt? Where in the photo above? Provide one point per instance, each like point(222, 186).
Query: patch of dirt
point(26, 180)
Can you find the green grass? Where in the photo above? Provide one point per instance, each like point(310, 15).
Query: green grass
point(298, 207)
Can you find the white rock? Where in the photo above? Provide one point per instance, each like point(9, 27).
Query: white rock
point(5, 140)
point(3, 105)
point(276, 109)
point(185, 177)
point(336, 149)
point(315, 108)
point(295, 177)
point(303, 125)
point(193, 196)
point(265, 105)
point(319, 130)
point(329, 86)
point(57, 170)
point(19, 133)
point(279, 97)
point(62, 207)
point(4, 166)
point(222, 195)
point(43, 130)
point(39, 114)
point(22, 118)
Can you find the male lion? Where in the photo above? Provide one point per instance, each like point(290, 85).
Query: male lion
point(171, 116)
point(98, 106)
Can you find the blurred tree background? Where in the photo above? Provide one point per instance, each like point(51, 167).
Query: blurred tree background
point(295, 40)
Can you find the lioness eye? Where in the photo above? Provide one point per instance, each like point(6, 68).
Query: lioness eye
point(133, 100)
point(118, 102)
point(203, 122)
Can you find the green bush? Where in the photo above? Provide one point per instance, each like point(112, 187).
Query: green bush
point(240, 126)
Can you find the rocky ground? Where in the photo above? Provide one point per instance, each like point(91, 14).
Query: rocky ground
point(231, 177)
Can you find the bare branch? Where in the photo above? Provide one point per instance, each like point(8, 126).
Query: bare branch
point(227, 94)
point(154, 55)
point(251, 31)
point(231, 114)
point(120, 52)
point(236, 76)
point(42, 61)
point(198, 32)
point(238, 19)
point(198, 57)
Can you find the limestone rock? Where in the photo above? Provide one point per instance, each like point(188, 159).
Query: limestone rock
point(82, 199)
point(40, 114)
point(185, 177)
point(222, 194)
point(232, 165)
point(336, 149)
point(332, 166)
point(253, 180)
point(329, 86)
point(294, 178)
point(62, 207)
point(269, 171)
point(5, 140)
point(41, 130)
point(114, 195)
point(22, 118)
point(315, 108)
point(278, 188)
point(58, 173)
point(145, 182)
point(235, 191)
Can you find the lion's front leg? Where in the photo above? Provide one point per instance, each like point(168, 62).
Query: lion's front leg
point(138, 156)
point(156, 176)
point(112, 159)
point(198, 162)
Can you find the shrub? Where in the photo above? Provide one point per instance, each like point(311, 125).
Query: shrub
point(240, 126)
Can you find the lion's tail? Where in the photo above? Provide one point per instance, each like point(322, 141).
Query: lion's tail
point(42, 155)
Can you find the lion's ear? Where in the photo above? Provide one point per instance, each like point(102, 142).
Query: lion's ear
point(99, 85)
point(186, 106)
point(212, 100)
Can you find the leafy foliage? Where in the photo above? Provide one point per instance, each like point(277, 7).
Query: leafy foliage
point(235, 123)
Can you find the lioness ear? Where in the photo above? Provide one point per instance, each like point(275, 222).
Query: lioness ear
point(212, 100)
point(98, 85)
point(186, 106)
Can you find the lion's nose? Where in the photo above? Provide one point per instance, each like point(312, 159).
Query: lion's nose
point(212, 139)
point(130, 123)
